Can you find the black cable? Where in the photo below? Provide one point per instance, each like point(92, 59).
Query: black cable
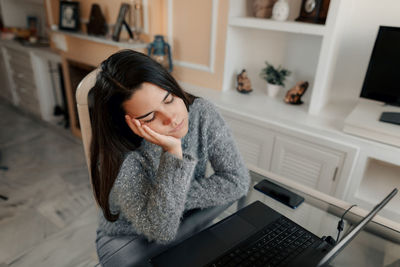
point(340, 226)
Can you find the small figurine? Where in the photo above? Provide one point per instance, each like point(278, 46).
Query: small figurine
point(97, 23)
point(243, 83)
point(293, 96)
point(263, 8)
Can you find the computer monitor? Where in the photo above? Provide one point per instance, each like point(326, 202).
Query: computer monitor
point(381, 81)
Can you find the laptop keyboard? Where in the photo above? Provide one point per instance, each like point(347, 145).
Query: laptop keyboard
point(275, 245)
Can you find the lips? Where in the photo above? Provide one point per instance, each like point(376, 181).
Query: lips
point(177, 128)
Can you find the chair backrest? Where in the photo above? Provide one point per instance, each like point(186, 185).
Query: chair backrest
point(82, 93)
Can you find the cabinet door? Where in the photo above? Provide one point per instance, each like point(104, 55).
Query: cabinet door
point(23, 80)
point(255, 143)
point(309, 164)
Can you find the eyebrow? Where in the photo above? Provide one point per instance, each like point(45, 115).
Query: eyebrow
point(147, 114)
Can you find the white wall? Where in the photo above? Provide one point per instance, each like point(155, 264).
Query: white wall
point(357, 35)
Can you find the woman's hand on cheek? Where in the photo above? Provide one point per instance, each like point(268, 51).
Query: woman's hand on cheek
point(133, 125)
point(168, 143)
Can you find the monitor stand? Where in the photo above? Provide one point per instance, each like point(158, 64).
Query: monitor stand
point(390, 117)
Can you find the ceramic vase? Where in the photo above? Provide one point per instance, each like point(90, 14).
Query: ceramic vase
point(280, 11)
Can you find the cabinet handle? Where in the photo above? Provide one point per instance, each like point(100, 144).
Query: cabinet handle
point(334, 174)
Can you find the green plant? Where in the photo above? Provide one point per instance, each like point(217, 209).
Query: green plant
point(274, 75)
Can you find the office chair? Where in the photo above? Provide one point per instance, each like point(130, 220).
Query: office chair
point(132, 250)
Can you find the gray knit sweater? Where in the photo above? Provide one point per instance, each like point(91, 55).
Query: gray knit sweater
point(154, 188)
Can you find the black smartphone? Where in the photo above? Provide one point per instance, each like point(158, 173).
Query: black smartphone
point(279, 193)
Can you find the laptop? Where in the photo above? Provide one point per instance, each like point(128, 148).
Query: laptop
point(257, 235)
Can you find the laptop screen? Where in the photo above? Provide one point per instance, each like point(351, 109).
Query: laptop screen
point(342, 243)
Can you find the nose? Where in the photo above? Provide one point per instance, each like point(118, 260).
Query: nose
point(169, 118)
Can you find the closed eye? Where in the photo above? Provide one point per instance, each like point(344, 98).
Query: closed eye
point(171, 100)
point(166, 101)
point(152, 119)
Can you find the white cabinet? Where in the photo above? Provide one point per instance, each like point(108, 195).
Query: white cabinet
point(255, 143)
point(309, 164)
point(30, 85)
point(310, 160)
point(307, 50)
point(22, 80)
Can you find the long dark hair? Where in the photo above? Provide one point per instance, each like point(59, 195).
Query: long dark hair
point(120, 76)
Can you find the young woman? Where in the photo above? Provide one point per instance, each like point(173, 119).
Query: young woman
point(150, 146)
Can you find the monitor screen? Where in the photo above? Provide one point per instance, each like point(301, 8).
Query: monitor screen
point(382, 81)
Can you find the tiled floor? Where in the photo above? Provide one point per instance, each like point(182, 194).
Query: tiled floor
point(47, 213)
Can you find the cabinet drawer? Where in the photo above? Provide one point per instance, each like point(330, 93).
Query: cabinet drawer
point(24, 79)
point(255, 143)
point(307, 163)
point(20, 67)
point(27, 88)
point(27, 102)
point(18, 56)
point(27, 94)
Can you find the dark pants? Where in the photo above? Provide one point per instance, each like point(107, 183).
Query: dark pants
point(135, 250)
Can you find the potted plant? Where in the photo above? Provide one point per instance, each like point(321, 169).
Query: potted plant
point(275, 78)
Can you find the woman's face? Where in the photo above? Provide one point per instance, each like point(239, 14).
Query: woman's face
point(159, 109)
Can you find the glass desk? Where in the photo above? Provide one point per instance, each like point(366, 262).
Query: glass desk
point(377, 245)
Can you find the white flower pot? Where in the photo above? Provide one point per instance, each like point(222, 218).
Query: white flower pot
point(273, 89)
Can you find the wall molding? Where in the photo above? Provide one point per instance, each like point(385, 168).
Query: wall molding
point(214, 23)
point(145, 18)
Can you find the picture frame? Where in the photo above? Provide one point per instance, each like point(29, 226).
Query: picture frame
point(69, 16)
point(123, 11)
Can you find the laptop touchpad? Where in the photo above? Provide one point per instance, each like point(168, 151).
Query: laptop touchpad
point(233, 230)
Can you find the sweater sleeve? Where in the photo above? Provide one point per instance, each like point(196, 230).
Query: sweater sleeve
point(231, 178)
point(154, 205)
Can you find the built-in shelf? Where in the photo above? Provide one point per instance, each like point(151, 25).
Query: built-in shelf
point(379, 179)
point(104, 40)
point(259, 106)
point(283, 26)
point(364, 121)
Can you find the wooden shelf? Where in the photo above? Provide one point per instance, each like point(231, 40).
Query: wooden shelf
point(283, 26)
point(104, 40)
